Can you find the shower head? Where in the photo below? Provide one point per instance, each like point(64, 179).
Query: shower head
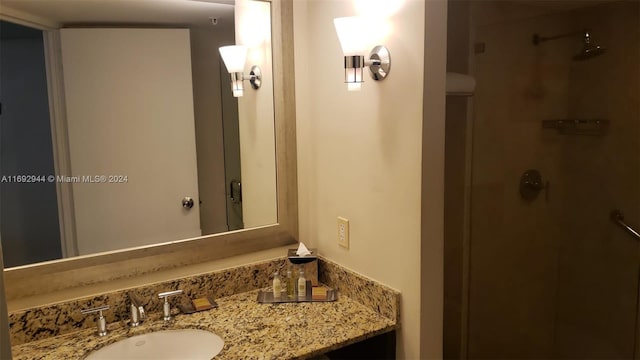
point(589, 50)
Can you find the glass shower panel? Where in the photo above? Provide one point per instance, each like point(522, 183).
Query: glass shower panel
point(551, 275)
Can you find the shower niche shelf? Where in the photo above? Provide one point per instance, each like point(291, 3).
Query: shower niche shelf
point(592, 127)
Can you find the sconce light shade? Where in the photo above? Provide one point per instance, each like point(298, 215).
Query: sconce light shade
point(353, 33)
point(234, 57)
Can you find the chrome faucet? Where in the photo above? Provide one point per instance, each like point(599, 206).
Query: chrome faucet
point(102, 322)
point(137, 310)
point(166, 307)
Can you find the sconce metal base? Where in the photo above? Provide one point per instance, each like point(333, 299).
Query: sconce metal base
point(255, 77)
point(380, 63)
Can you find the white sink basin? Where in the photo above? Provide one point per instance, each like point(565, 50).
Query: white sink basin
point(182, 344)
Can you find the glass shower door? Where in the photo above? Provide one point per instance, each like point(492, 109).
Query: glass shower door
point(551, 274)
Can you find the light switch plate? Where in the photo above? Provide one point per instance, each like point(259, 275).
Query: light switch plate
point(343, 232)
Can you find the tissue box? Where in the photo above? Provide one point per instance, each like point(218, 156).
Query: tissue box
point(308, 263)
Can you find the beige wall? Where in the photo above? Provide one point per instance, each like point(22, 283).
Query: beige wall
point(255, 112)
point(359, 156)
point(554, 277)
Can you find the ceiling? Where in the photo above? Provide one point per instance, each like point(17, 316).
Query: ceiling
point(132, 12)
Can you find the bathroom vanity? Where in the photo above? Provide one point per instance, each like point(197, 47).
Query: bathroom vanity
point(364, 309)
point(249, 330)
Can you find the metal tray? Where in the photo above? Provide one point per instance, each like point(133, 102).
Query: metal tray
point(266, 297)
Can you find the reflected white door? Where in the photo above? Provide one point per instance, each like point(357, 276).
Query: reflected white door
point(129, 104)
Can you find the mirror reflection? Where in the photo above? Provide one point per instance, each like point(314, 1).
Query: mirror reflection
point(119, 128)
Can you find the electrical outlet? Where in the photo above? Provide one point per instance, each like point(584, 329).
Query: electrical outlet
point(343, 232)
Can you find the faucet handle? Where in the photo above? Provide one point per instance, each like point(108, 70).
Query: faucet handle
point(167, 308)
point(102, 323)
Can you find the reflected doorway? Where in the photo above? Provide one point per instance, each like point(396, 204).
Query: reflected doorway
point(30, 228)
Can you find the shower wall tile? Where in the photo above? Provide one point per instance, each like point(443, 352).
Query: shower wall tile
point(598, 279)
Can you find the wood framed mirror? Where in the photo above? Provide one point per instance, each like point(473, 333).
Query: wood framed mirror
point(41, 278)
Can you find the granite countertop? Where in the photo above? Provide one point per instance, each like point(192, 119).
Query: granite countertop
point(250, 330)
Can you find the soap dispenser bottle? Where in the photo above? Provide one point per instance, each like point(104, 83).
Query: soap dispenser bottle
point(291, 285)
point(302, 286)
point(277, 286)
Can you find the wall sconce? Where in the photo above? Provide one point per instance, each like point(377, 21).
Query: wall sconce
point(352, 33)
point(234, 57)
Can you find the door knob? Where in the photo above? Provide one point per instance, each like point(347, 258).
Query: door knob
point(187, 202)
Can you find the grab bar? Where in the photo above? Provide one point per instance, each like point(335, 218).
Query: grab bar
point(618, 218)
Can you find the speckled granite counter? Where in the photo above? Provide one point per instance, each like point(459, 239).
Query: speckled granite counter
point(250, 330)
